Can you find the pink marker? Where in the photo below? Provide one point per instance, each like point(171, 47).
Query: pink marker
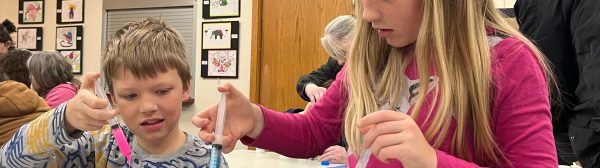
point(114, 125)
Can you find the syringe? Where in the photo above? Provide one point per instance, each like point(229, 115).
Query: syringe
point(366, 154)
point(215, 155)
point(114, 124)
point(364, 159)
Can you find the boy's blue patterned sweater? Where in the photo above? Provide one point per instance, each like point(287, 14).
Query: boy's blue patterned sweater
point(44, 142)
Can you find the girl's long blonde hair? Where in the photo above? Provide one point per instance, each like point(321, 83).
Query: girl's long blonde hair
point(453, 39)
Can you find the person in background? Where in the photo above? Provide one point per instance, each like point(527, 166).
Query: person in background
point(6, 42)
point(568, 33)
point(52, 77)
point(428, 83)
point(14, 65)
point(336, 41)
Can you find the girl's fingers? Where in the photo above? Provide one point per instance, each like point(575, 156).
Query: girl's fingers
point(390, 152)
point(390, 127)
point(387, 140)
point(381, 116)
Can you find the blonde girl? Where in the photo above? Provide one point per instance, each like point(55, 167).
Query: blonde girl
point(428, 83)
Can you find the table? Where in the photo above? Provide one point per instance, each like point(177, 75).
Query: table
point(253, 159)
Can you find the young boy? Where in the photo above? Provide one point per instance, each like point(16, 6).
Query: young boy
point(146, 71)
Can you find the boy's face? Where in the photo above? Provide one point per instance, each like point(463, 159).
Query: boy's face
point(150, 107)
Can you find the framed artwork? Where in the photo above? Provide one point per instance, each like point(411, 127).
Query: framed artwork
point(220, 64)
point(69, 11)
point(220, 35)
point(74, 58)
point(220, 8)
point(31, 11)
point(69, 38)
point(30, 38)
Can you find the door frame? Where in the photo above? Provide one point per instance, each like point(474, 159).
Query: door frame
point(256, 51)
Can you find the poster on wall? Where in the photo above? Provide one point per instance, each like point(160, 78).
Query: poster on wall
point(74, 58)
point(219, 64)
point(31, 11)
point(220, 9)
point(69, 11)
point(30, 38)
point(220, 35)
point(69, 38)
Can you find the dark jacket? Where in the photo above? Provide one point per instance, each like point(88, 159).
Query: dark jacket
point(325, 74)
point(568, 33)
point(547, 25)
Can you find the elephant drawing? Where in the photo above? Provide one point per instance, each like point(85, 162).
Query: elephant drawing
point(217, 34)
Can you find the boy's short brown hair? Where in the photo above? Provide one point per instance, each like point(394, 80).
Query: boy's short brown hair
point(145, 47)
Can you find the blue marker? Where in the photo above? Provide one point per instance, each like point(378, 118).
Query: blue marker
point(215, 159)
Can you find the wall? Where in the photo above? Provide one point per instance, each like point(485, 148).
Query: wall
point(130, 4)
point(3, 12)
point(206, 89)
point(91, 27)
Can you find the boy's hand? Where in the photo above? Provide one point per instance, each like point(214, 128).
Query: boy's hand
point(395, 135)
point(241, 119)
point(85, 111)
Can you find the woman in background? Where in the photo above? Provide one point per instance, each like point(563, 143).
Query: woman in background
point(52, 77)
point(336, 41)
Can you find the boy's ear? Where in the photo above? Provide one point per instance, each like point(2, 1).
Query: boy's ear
point(112, 100)
point(186, 91)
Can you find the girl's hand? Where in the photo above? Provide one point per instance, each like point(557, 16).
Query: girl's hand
point(241, 119)
point(395, 135)
point(85, 111)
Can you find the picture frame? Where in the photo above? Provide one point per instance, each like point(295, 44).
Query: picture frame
point(212, 9)
point(75, 58)
point(70, 11)
point(69, 38)
point(30, 38)
point(31, 11)
point(220, 35)
point(220, 64)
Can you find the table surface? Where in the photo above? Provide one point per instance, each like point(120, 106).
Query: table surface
point(253, 159)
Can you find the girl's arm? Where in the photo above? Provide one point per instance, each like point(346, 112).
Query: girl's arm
point(305, 135)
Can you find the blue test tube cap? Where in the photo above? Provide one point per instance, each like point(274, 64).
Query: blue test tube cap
point(325, 163)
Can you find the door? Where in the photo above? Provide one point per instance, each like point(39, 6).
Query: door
point(286, 45)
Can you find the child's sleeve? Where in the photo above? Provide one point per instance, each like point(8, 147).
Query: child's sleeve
point(44, 142)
